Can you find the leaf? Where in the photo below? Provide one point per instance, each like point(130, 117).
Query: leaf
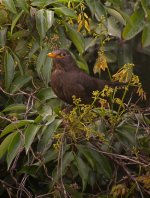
point(9, 4)
point(67, 159)
point(113, 28)
point(49, 18)
point(76, 38)
point(83, 170)
point(116, 15)
point(46, 94)
point(48, 133)
point(15, 108)
point(22, 4)
point(145, 5)
point(33, 49)
point(50, 155)
point(96, 9)
point(19, 82)
point(3, 32)
point(30, 133)
point(126, 134)
point(9, 68)
point(29, 170)
point(41, 60)
point(134, 25)
point(14, 22)
point(41, 23)
point(46, 70)
point(14, 126)
point(5, 144)
point(64, 11)
point(44, 21)
point(145, 36)
point(96, 160)
point(13, 149)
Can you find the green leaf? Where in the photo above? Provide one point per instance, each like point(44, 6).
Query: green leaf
point(14, 126)
point(49, 15)
point(83, 170)
point(33, 49)
point(46, 70)
point(46, 94)
point(113, 28)
point(3, 32)
point(44, 21)
point(127, 135)
point(76, 38)
point(41, 23)
point(15, 108)
point(116, 15)
point(50, 155)
point(146, 36)
point(67, 159)
point(64, 11)
point(19, 82)
point(97, 161)
point(5, 144)
point(29, 170)
point(14, 22)
point(41, 60)
point(22, 4)
point(96, 8)
point(9, 4)
point(48, 132)
point(13, 148)
point(134, 25)
point(30, 133)
point(44, 3)
point(146, 7)
point(9, 68)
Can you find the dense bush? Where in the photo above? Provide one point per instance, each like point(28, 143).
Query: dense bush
point(88, 151)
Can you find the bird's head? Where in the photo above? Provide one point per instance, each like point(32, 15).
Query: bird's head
point(63, 58)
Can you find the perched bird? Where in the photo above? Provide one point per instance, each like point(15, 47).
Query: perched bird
point(67, 79)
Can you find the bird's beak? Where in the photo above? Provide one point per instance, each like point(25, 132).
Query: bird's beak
point(54, 55)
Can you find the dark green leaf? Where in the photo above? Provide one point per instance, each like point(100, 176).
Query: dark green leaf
point(5, 144)
point(9, 4)
point(46, 94)
point(96, 8)
point(64, 11)
point(19, 82)
point(76, 38)
point(15, 108)
point(30, 133)
point(146, 36)
point(83, 170)
point(116, 15)
point(15, 21)
point(13, 148)
point(3, 32)
point(48, 132)
point(14, 126)
point(22, 4)
point(41, 60)
point(134, 25)
point(9, 67)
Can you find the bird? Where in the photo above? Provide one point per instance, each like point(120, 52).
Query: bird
point(68, 80)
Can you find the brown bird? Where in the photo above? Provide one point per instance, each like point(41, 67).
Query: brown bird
point(68, 80)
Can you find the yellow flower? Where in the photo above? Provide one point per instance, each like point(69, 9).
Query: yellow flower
point(101, 63)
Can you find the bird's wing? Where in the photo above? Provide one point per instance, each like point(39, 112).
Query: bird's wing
point(79, 85)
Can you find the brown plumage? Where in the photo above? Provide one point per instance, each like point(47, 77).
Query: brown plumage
point(68, 80)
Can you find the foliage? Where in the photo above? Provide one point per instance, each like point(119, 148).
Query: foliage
point(88, 151)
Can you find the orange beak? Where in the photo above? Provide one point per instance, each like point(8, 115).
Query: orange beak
point(54, 55)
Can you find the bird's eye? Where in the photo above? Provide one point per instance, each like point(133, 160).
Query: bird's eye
point(63, 54)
